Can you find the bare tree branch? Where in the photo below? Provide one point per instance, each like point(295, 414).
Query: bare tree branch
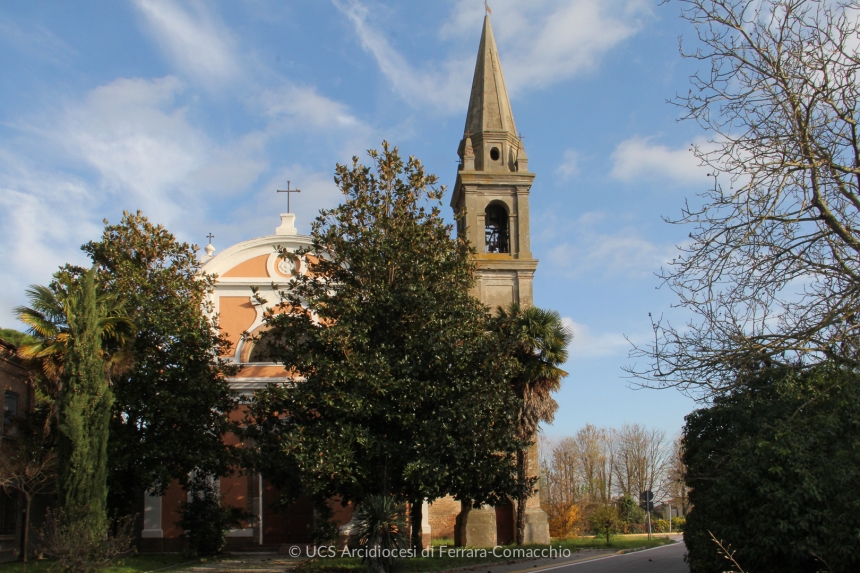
point(771, 271)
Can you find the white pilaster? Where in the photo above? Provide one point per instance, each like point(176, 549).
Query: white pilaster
point(151, 517)
point(426, 530)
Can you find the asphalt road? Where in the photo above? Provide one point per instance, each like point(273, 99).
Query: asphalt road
point(666, 559)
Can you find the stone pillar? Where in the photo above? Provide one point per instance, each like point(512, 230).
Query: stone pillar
point(426, 530)
point(537, 522)
point(475, 527)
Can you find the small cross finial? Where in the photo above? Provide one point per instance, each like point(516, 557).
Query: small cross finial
point(210, 236)
point(487, 7)
point(288, 191)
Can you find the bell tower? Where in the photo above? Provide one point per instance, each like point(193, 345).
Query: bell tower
point(491, 195)
point(491, 201)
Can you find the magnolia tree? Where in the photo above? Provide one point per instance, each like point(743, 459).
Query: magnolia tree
point(405, 389)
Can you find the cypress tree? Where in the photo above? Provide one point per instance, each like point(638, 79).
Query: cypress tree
point(84, 411)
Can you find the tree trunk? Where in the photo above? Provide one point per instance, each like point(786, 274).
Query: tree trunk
point(415, 513)
point(27, 500)
point(522, 496)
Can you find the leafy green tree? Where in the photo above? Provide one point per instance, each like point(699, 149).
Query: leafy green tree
point(77, 325)
point(772, 469)
point(629, 511)
point(538, 340)
point(16, 337)
point(404, 389)
point(173, 404)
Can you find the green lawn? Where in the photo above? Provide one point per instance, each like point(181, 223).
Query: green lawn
point(447, 557)
point(130, 564)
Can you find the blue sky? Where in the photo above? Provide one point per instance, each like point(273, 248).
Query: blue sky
point(196, 112)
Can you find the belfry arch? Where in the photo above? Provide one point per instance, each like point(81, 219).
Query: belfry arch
point(497, 228)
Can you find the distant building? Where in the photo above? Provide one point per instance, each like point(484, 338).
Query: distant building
point(17, 401)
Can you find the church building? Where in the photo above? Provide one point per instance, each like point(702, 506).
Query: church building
point(492, 196)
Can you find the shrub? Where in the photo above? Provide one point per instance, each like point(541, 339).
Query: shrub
point(324, 530)
point(605, 522)
point(629, 511)
point(205, 520)
point(660, 526)
point(564, 522)
point(632, 528)
point(678, 523)
point(773, 468)
point(381, 530)
point(79, 549)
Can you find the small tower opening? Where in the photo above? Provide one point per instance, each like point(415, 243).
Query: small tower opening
point(494, 154)
point(497, 237)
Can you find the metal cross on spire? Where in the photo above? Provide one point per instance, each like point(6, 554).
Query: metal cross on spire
point(210, 236)
point(288, 191)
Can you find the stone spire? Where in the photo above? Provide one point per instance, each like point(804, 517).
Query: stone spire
point(490, 121)
point(489, 106)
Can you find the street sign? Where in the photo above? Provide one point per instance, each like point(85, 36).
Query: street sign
point(646, 500)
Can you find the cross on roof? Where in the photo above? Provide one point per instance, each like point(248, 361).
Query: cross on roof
point(210, 236)
point(288, 191)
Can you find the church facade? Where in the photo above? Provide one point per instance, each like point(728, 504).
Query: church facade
point(491, 199)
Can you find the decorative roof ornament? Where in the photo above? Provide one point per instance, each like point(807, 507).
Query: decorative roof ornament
point(210, 248)
point(468, 155)
point(288, 225)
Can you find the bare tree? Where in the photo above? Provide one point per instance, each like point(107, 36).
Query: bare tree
point(561, 487)
point(565, 470)
point(606, 464)
point(675, 484)
point(28, 461)
point(640, 460)
point(596, 452)
point(771, 271)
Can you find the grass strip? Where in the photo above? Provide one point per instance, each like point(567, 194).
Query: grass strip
point(446, 557)
point(130, 564)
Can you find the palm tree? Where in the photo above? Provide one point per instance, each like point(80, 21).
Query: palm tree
point(81, 333)
point(538, 339)
point(47, 321)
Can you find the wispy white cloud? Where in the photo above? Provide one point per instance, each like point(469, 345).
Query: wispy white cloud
point(35, 39)
point(44, 216)
point(303, 106)
point(129, 145)
point(638, 158)
point(541, 42)
point(137, 137)
point(587, 344)
point(445, 86)
point(597, 244)
point(193, 37)
point(569, 165)
point(624, 252)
